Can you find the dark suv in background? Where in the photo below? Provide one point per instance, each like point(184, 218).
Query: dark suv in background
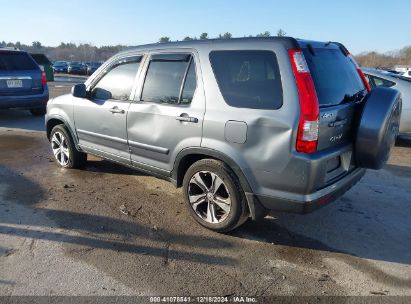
point(22, 83)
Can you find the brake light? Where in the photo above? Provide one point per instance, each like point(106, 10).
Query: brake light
point(43, 78)
point(307, 136)
point(362, 76)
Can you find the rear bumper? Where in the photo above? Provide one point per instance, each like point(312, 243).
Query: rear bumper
point(313, 201)
point(25, 101)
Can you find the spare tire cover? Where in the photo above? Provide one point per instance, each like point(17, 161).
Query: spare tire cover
point(378, 128)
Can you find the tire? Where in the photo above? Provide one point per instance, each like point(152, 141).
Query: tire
point(67, 156)
point(378, 128)
point(205, 200)
point(38, 112)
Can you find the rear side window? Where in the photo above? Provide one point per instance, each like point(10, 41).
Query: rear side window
point(334, 75)
point(11, 61)
point(379, 82)
point(118, 81)
point(170, 79)
point(248, 79)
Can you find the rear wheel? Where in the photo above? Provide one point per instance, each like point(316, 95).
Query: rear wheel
point(38, 112)
point(64, 149)
point(214, 196)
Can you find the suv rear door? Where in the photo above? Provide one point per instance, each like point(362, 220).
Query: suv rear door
point(340, 91)
point(19, 74)
point(167, 114)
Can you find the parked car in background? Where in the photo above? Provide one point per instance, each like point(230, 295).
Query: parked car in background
point(92, 67)
point(44, 64)
point(407, 74)
point(60, 67)
point(243, 125)
point(76, 67)
point(23, 85)
point(377, 78)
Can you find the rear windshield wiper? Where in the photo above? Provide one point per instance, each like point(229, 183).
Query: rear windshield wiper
point(354, 97)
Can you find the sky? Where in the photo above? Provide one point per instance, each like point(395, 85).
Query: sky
point(361, 25)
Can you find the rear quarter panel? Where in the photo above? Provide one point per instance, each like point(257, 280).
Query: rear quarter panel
point(267, 151)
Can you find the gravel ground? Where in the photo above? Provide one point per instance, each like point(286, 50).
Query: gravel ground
point(108, 230)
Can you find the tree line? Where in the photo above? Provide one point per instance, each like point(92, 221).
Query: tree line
point(88, 52)
point(385, 60)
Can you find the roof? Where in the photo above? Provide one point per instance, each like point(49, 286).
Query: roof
point(200, 43)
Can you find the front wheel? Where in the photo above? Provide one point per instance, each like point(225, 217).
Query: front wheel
point(64, 149)
point(214, 196)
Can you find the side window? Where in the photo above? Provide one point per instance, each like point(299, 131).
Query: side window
point(170, 79)
point(189, 85)
point(248, 79)
point(118, 80)
point(379, 82)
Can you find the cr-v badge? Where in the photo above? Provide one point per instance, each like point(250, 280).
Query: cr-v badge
point(336, 138)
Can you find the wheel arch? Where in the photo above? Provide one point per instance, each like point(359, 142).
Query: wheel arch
point(58, 120)
point(189, 156)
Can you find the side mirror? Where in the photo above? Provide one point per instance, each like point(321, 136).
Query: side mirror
point(79, 90)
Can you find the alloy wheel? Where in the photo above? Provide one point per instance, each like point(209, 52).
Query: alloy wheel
point(209, 197)
point(60, 148)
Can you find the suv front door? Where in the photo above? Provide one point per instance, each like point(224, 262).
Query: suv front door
point(101, 119)
point(168, 110)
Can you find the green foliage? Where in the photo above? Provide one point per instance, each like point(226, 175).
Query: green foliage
point(36, 44)
point(226, 35)
point(164, 39)
point(204, 36)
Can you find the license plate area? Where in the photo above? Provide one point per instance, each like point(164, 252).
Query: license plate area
point(14, 83)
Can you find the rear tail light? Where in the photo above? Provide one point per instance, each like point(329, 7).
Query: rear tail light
point(307, 136)
point(364, 80)
point(43, 78)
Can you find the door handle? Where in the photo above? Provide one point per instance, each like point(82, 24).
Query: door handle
point(185, 118)
point(117, 110)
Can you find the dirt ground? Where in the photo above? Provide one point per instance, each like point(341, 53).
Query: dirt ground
point(109, 230)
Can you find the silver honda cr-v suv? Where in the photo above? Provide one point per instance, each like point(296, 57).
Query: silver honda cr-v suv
point(243, 125)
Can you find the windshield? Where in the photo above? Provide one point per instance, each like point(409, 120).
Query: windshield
point(335, 76)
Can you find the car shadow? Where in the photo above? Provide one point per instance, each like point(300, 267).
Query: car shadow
point(288, 231)
point(20, 119)
point(96, 231)
point(104, 166)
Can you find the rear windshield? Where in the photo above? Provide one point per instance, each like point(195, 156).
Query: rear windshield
point(11, 61)
point(248, 79)
point(334, 75)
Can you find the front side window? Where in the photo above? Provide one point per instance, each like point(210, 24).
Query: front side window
point(170, 79)
point(117, 82)
point(248, 79)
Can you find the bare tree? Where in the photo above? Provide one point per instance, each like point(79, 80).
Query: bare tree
point(265, 34)
point(281, 33)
